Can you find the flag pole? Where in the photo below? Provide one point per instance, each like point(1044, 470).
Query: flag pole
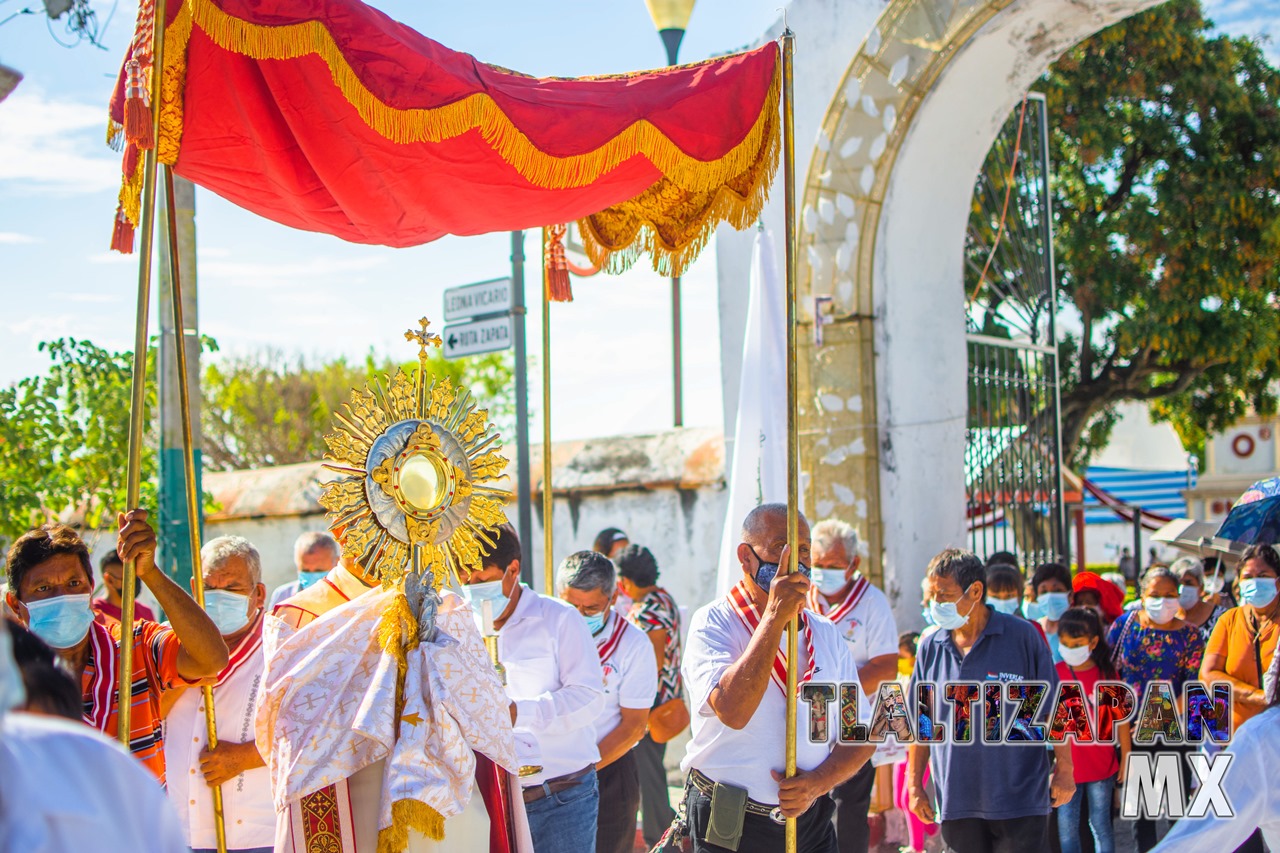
point(793, 455)
point(548, 554)
point(189, 468)
point(133, 479)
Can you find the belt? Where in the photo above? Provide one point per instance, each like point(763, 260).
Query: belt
point(705, 785)
point(554, 786)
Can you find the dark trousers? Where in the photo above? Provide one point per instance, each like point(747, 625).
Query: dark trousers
point(619, 802)
point(656, 813)
point(815, 833)
point(1015, 835)
point(853, 801)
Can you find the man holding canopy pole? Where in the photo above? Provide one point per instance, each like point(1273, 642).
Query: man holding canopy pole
point(733, 668)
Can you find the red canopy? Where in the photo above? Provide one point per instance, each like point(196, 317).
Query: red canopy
point(326, 115)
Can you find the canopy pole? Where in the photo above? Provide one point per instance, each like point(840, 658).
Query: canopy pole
point(133, 480)
point(793, 455)
point(189, 469)
point(548, 554)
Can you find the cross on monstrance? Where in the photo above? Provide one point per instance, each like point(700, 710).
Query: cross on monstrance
point(424, 339)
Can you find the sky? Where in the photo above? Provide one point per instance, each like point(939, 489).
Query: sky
point(265, 286)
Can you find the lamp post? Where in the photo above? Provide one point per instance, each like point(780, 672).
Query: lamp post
point(671, 17)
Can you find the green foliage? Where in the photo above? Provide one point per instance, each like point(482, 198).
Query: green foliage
point(268, 409)
point(64, 439)
point(1166, 147)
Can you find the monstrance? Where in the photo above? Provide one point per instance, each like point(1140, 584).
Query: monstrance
point(415, 455)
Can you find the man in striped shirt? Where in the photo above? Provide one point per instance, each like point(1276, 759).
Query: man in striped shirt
point(50, 581)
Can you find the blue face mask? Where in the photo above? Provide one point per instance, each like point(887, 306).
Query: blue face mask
point(490, 591)
point(947, 616)
point(768, 571)
point(228, 610)
point(306, 579)
point(1054, 604)
point(1257, 592)
point(1007, 606)
point(1033, 610)
point(595, 624)
point(61, 622)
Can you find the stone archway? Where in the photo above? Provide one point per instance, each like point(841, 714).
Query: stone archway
point(883, 209)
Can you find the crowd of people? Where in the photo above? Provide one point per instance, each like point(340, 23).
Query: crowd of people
point(601, 676)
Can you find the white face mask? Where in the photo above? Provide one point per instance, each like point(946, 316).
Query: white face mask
point(1073, 656)
point(828, 581)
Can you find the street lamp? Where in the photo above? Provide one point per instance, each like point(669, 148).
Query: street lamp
point(671, 17)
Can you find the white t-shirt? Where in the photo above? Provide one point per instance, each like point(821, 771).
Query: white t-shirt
point(554, 678)
point(744, 758)
point(630, 673)
point(248, 812)
point(64, 786)
point(868, 628)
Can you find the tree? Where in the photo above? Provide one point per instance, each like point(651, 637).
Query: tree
point(64, 439)
point(268, 409)
point(1166, 147)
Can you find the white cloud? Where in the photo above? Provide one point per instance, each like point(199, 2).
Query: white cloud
point(10, 238)
point(55, 146)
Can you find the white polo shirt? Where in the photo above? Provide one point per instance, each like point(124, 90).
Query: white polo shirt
point(630, 671)
point(868, 627)
point(554, 678)
point(744, 758)
point(249, 815)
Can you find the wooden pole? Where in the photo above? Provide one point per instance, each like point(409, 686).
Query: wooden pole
point(793, 445)
point(189, 469)
point(133, 478)
point(548, 553)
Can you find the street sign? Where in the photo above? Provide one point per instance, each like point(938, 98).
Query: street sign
point(477, 336)
point(478, 300)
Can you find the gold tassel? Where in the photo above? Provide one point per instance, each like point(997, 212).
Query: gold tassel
point(407, 815)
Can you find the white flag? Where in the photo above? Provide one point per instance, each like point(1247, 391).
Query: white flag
point(759, 473)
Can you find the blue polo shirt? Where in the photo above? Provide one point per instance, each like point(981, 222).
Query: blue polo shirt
point(988, 781)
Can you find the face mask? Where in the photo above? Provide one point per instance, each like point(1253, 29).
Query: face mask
point(228, 610)
point(306, 579)
point(946, 615)
point(61, 622)
point(828, 581)
point(1161, 610)
point(1007, 606)
point(1188, 595)
point(768, 571)
point(596, 623)
point(1054, 604)
point(1213, 584)
point(1258, 592)
point(1073, 656)
point(491, 591)
point(1033, 610)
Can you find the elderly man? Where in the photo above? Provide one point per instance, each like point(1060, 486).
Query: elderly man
point(732, 668)
point(992, 797)
point(50, 580)
point(233, 598)
point(588, 582)
point(863, 617)
point(555, 679)
point(106, 609)
point(314, 554)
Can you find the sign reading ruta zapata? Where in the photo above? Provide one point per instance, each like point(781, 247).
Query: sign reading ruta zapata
point(1035, 714)
point(327, 115)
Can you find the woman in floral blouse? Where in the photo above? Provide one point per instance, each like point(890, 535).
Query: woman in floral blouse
point(1153, 644)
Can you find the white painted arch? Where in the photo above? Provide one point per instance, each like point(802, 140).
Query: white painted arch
point(936, 106)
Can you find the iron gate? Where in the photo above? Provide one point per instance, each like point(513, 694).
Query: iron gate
point(1013, 436)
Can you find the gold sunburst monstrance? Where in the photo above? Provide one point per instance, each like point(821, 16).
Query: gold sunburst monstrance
point(415, 458)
